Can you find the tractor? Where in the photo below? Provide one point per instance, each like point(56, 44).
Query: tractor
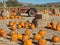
point(31, 11)
point(26, 10)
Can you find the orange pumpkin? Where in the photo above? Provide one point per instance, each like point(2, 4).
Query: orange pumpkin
point(28, 42)
point(29, 24)
point(14, 37)
point(0, 17)
point(19, 36)
point(45, 11)
point(19, 26)
point(49, 25)
point(26, 26)
point(27, 32)
point(12, 17)
point(37, 37)
point(58, 28)
point(17, 17)
point(12, 32)
point(24, 38)
point(58, 24)
point(55, 39)
point(4, 35)
point(41, 42)
point(14, 27)
point(5, 18)
point(22, 23)
point(11, 23)
point(42, 32)
point(54, 25)
point(32, 26)
point(2, 31)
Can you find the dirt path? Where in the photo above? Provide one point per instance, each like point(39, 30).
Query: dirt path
point(50, 33)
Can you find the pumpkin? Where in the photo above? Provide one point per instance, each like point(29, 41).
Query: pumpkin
point(14, 37)
point(58, 27)
point(14, 27)
point(45, 11)
point(37, 37)
point(0, 17)
point(55, 39)
point(19, 26)
point(11, 23)
point(22, 23)
point(49, 25)
point(58, 23)
point(32, 26)
point(28, 42)
point(2, 31)
point(26, 26)
point(42, 32)
point(54, 25)
point(17, 17)
point(41, 42)
point(12, 32)
point(12, 17)
point(24, 38)
point(4, 35)
point(5, 18)
point(29, 24)
point(19, 36)
point(27, 32)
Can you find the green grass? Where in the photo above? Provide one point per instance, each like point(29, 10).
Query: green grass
point(38, 8)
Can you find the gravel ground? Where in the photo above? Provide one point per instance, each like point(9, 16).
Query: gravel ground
point(50, 33)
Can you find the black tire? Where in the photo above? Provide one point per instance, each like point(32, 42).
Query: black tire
point(29, 12)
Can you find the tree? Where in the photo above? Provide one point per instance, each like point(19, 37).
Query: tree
point(12, 3)
point(37, 5)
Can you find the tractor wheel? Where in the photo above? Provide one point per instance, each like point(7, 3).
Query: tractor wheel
point(32, 12)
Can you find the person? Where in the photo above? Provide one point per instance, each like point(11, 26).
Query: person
point(18, 12)
point(53, 11)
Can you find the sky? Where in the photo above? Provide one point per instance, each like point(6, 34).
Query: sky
point(38, 1)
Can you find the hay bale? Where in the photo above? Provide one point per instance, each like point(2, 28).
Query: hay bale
point(42, 16)
point(41, 20)
point(40, 23)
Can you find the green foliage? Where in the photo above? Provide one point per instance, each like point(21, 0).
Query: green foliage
point(37, 5)
point(13, 3)
point(0, 4)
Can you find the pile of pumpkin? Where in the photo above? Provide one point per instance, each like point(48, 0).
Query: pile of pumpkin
point(20, 25)
point(26, 38)
point(54, 14)
point(11, 17)
point(15, 17)
point(37, 37)
point(54, 26)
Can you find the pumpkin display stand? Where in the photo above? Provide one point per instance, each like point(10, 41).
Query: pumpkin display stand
point(41, 20)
